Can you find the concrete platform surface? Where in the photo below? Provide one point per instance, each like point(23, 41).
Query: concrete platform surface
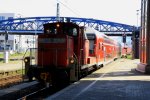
point(116, 81)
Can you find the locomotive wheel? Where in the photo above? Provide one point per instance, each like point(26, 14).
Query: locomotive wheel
point(37, 73)
point(60, 79)
point(30, 74)
point(84, 73)
point(96, 67)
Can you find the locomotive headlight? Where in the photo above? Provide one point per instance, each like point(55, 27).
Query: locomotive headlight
point(25, 60)
point(72, 61)
point(57, 25)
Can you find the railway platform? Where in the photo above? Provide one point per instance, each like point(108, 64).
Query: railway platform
point(116, 81)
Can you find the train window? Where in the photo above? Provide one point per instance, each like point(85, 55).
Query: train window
point(48, 31)
point(91, 36)
point(74, 32)
point(91, 45)
point(102, 46)
point(99, 45)
point(70, 31)
point(51, 31)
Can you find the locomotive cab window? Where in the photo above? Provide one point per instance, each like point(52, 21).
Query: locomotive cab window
point(61, 28)
point(74, 32)
point(50, 30)
point(70, 31)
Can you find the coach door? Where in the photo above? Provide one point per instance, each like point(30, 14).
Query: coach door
point(104, 53)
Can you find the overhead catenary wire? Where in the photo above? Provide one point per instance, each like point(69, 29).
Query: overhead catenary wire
point(70, 9)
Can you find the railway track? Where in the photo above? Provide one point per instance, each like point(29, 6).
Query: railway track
point(22, 92)
point(10, 77)
point(43, 92)
point(35, 94)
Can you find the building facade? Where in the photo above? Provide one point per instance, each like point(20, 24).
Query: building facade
point(16, 43)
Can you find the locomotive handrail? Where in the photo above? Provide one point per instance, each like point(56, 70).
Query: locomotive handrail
point(29, 25)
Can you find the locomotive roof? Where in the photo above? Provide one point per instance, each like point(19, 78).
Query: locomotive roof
point(69, 23)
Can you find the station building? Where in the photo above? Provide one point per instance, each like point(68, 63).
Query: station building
point(15, 43)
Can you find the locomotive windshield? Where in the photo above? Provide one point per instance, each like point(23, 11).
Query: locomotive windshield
point(50, 30)
point(61, 28)
point(70, 31)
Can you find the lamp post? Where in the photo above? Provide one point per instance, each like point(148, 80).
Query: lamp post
point(137, 13)
point(5, 50)
point(58, 11)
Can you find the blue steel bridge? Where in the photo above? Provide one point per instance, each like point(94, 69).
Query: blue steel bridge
point(34, 25)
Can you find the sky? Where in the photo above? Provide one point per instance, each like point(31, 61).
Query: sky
point(121, 11)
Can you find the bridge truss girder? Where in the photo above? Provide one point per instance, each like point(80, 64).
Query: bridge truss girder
point(32, 25)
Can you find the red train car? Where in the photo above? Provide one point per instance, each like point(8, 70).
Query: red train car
point(67, 51)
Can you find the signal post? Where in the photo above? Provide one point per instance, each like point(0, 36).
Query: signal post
point(6, 54)
point(135, 44)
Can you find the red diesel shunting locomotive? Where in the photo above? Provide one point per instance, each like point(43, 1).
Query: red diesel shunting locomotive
point(67, 51)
